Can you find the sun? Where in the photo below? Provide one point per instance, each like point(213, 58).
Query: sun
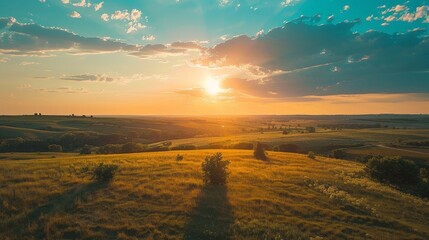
point(212, 87)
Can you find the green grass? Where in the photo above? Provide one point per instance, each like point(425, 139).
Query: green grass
point(155, 197)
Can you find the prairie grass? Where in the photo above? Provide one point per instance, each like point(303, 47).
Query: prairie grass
point(155, 197)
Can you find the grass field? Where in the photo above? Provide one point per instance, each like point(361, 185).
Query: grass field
point(155, 197)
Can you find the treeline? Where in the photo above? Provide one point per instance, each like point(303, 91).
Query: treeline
point(68, 142)
point(351, 126)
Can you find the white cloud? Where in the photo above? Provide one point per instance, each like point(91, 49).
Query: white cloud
point(369, 18)
point(135, 15)
point(121, 15)
point(148, 38)
point(98, 6)
point(390, 18)
point(346, 7)
point(65, 1)
point(133, 27)
point(82, 3)
point(28, 63)
point(260, 32)
point(223, 3)
point(105, 17)
point(75, 14)
point(4, 60)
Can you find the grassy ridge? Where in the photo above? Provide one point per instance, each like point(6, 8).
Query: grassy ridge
point(153, 196)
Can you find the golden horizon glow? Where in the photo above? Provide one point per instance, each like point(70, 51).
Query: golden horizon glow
point(212, 86)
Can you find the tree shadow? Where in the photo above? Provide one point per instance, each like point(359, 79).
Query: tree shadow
point(62, 203)
point(212, 218)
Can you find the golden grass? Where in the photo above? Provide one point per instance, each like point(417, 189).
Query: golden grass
point(155, 197)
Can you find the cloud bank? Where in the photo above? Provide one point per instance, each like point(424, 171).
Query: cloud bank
point(301, 59)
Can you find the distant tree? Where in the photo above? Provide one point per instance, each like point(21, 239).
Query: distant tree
point(394, 170)
point(86, 150)
point(179, 157)
point(55, 148)
point(311, 155)
point(40, 114)
point(259, 151)
point(35, 114)
point(215, 170)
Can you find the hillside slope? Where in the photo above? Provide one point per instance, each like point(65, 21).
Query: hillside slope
point(155, 197)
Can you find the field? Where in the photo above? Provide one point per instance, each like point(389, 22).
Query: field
point(155, 197)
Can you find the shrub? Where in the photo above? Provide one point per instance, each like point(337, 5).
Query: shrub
point(104, 172)
point(55, 148)
point(311, 155)
point(394, 170)
point(215, 170)
point(179, 157)
point(86, 150)
point(259, 152)
point(424, 174)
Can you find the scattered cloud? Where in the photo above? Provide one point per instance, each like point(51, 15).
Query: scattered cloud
point(98, 6)
point(75, 14)
point(4, 60)
point(82, 3)
point(148, 38)
point(346, 7)
point(89, 78)
point(28, 63)
point(105, 17)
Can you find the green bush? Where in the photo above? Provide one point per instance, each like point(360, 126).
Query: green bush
point(215, 170)
point(104, 172)
point(259, 152)
point(393, 170)
point(179, 157)
point(311, 155)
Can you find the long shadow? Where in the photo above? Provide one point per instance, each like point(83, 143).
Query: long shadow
point(62, 203)
point(212, 218)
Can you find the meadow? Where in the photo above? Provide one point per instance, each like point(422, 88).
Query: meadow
point(51, 195)
point(155, 197)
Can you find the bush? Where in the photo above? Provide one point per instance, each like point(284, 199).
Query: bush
point(215, 170)
point(243, 145)
point(393, 170)
point(311, 155)
point(55, 148)
point(104, 172)
point(179, 157)
point(259, 152)
point(86, 150)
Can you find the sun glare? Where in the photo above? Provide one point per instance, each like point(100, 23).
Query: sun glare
point(212, 87)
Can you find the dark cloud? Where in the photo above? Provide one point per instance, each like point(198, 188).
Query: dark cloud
point(325, 60)
point(33, 39)
point(89, 77)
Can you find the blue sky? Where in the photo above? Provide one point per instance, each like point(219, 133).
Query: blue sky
point(166, 50)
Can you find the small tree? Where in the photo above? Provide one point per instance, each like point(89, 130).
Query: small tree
point(215, 170)
point(311, 155)
point(55, 148)
point(259, 151)
point(104, 172)
point(179, 157)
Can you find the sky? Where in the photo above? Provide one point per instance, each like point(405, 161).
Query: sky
point(221, 57)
